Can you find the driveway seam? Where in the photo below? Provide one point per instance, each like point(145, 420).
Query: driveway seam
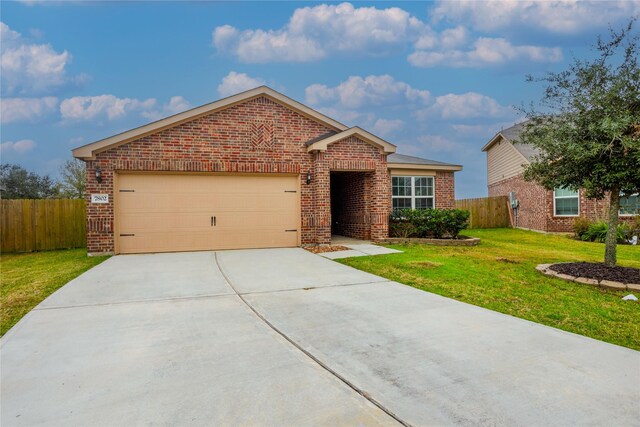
point(308, 354)
point(311, 288)
point(134, 301)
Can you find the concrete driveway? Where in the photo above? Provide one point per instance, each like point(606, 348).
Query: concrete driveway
point(285, 337)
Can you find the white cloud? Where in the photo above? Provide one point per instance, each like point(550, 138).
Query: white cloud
point(384, 127)
point(313, 33)
point(30, 68)
point(482, 130)
point(22, 146)
point(26, 109)
point(102, 106)
point(485, 52)
point(176, 104)
point(447, 39)
point(560, 17)
point(464, 106)
point(349, 117)
point(358, 92)
point(438, 143)
point(234, 83)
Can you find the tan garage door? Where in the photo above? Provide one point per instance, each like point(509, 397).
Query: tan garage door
point(171, 213)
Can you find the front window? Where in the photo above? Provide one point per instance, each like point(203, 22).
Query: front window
point(566, 202)
point(630, 205)
point(412, 192)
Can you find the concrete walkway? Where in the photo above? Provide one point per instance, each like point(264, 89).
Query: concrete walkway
point(285, 337)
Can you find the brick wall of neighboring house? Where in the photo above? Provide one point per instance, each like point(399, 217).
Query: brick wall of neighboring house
point(532, 211)
point(536, 206)
point(257, 136)
point(445, 190)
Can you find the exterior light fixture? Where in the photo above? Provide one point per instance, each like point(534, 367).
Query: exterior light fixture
point(308, 178)
point(98, 174)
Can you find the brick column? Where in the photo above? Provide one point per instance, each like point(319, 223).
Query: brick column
point(322, 190)
point(100, 239)
point(380, 201)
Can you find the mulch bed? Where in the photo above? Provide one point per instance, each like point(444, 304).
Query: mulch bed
point(327, 248)
point(598, 271)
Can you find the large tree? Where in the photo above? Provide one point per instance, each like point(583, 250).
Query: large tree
point(72, 179)
point(18, 183)
point(587, 127)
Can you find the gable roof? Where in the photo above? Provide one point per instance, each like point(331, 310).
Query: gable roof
point(512, 135)
point(88, 151)
point(321, 143)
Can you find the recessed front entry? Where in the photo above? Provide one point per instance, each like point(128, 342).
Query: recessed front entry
point(190, 212)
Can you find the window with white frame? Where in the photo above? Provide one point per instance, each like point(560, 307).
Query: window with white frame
point(566, 202)
point(629, 205)
point(412, 192)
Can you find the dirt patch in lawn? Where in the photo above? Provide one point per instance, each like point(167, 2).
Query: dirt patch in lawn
point(507, 260)
point(598, 271)
point(327, 248)
point(426, 264)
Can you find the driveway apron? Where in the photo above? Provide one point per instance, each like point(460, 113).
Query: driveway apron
point(285, 337)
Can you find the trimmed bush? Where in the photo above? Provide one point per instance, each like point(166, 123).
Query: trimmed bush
point(581, 226)
point(421, 223)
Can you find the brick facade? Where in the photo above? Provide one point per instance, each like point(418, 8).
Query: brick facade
point(536, 210)
point(258, 136)
point(445, 190)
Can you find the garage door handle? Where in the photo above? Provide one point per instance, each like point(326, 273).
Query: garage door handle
point(213, 221)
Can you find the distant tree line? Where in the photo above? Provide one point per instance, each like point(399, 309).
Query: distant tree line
point(18, 183)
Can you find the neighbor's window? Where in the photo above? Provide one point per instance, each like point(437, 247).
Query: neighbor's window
point(412, 192)
point(566, 202)
point(630, 205)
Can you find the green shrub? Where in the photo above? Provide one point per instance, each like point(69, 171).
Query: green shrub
point(597, 232)
point(581, 226)
point(436, 223)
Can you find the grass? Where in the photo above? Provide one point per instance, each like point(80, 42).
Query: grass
point(499, 274)
point(27, 279)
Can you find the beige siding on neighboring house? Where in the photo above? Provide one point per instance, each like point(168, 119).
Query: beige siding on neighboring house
point(503, 161)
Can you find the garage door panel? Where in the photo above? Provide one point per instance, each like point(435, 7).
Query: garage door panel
point(159, 221)
point(164, 213)
point(266, 239)
point(190, 240)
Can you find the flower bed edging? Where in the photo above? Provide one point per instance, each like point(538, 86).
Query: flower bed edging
point(544, 269)
point(461, 241)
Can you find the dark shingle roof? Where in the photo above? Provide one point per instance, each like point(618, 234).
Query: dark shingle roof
point(402, 158)
point(320, 138)
point(513, 135)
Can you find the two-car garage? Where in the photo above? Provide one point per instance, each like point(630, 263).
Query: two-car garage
point(191, 212)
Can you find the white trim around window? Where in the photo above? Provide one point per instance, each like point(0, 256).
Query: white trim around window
point(413, 192)
point(637, 196)
point(575, 195)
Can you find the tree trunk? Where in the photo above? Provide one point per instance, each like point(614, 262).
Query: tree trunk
point(611, 240)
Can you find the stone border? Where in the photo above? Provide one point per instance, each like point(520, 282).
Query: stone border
point(544, 269)
point(461, 241)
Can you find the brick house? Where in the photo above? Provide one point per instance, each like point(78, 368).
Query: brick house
point(253, 170)
point(539, 208)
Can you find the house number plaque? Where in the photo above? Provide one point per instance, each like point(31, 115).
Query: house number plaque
point(99, 198)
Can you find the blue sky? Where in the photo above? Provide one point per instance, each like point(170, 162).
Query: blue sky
point(438, 79)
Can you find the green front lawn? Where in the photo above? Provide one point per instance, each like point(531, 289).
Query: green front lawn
point(27, 279)
point(499, 274)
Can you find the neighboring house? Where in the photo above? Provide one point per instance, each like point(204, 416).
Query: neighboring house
point(253, 170)
point(539, 208)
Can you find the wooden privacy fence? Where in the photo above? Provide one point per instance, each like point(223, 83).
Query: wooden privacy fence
point(487, 212)
point(36, 225)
